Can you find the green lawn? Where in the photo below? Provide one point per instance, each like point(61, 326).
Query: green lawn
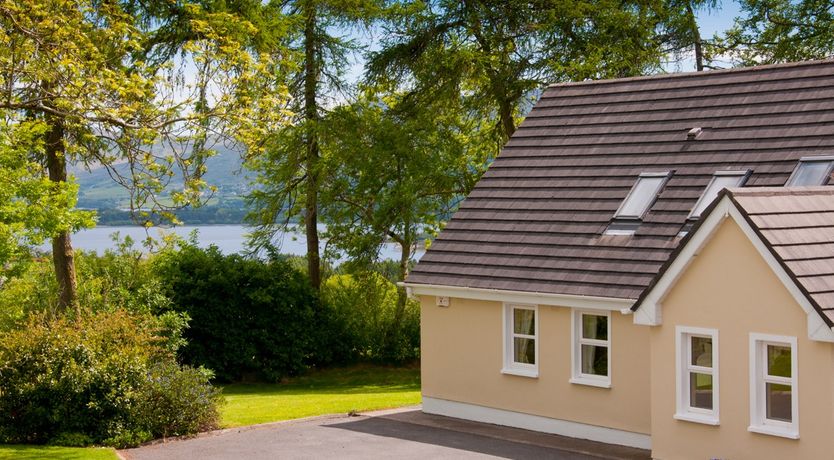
point(57, 453)
point(331, 391)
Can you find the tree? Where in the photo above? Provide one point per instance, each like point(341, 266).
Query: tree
point(499, 54)
point(396, 176)
point(289, 174)
point(773, 31)
point(682, 34)
point(78, 68)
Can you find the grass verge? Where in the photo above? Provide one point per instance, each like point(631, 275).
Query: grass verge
point(57, 453)
point(329, 391)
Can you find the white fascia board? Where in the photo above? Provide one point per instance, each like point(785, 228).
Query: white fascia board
point(649, 313)
point(530, 298)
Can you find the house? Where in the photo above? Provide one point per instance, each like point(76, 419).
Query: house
point(584, 285)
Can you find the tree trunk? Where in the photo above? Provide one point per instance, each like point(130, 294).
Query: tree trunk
point(507, 120)
point(312, 158)
point(696, 38)
point(393, 331)
point(62, 253)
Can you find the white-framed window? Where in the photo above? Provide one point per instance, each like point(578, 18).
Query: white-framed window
point(720, 180)
point(697, 375)
point(521, 342)
point(811, 171)
point(591, 348)
point(774, 394)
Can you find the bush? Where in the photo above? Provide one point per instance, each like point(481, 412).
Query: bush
point(249, 318)
point(362, 309)
point(85, 380)
point(118, 279)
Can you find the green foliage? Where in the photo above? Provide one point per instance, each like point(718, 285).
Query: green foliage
point(97, 379)
point(117, 279)
point(178, 400)
point(364, 309)
point(773, 31)
point(32, 208)
point(249, 318)
point(494, 55)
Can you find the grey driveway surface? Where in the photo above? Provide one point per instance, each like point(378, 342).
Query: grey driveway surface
point(403, 434)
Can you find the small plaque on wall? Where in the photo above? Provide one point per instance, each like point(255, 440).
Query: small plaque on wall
point(442, 301)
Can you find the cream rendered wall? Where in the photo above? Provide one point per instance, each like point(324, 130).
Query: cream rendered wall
point(729, 287)
point(462, 357)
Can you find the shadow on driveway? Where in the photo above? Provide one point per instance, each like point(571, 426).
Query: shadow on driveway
point(500, 441)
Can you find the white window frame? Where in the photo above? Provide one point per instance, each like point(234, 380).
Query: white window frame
point(742, 175)
point(650, 175)
point(510, 366)
point(812, 159)
point(577, 376)
point(759, 423)
point(683, 367)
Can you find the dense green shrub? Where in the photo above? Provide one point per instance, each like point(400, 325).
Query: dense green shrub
point(249, 318)
point(104, 378)
point(361, 308)
point(117, 279)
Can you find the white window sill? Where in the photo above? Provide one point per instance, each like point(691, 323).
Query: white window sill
point(697, 418)
point(773, 431)
point(531, 373)
point(590, 382)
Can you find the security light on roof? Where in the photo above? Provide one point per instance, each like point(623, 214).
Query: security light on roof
point(693, 133)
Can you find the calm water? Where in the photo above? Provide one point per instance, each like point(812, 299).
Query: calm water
point(229, 239)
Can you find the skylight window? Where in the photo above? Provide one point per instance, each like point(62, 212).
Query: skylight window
point(642, 195)
point(812, 171)
point(720, 180)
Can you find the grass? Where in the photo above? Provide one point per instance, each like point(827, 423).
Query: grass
point(330, 391)
point(57, 453)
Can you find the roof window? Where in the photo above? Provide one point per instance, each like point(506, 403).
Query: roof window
point(812, 171)
point(637, 203)
point(642, 195)
point(720, 180)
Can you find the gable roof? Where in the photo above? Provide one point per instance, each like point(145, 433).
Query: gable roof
point(535, 222)
point(793, 229)
point(797, 225)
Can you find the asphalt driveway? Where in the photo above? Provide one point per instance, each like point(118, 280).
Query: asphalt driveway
point(401, 434)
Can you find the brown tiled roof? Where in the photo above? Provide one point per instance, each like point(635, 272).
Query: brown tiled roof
point(536, 219)
point(797, 225)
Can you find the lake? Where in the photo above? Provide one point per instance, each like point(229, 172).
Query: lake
point(229, 239)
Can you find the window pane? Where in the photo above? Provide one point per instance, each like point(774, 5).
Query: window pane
point(595, 327)
point(641, 196)
point(811, 173)
point(778, 402)
point(524, 321)
point(700, 390)
point(524, 351)
point(594, 360)
point(713, 188)
point(701, 351)
point(779, 360)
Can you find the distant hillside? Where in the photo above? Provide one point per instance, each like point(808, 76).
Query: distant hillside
point(97, 190)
